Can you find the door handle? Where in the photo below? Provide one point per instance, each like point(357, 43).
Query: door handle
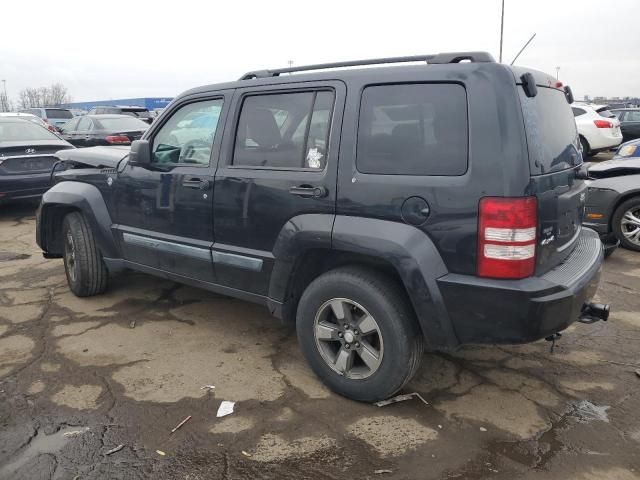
point(308, 191)
point(196, 183)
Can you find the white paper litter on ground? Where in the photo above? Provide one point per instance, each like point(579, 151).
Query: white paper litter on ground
point(225, 408)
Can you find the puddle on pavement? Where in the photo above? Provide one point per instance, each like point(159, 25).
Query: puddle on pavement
point(42, 444)
point(9, 256)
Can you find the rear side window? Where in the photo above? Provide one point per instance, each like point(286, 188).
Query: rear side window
point(413, 129)
point(578, 111)
point(58, 113)
point(289, 130)
point(552, 137)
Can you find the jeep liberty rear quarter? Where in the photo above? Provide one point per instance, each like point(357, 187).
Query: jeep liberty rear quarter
point(380, 209)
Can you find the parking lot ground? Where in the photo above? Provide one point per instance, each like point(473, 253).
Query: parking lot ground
point(78, 381)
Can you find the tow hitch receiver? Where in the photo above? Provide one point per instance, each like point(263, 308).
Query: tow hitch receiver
point(593, 312)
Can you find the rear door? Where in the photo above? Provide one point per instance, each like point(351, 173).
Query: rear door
point(554, 155)
point(279, 163)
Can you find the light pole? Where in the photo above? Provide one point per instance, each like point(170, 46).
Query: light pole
point(5, 100)
point(501, 30)
point(557, 73)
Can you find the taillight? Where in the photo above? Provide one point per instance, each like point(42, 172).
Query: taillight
point(117, 139)
point(507, 232)
point(603, 123)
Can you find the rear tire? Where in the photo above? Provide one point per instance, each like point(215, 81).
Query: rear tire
point(382, 345)
point(86, 273)
point(626, 229)
point(586, 149)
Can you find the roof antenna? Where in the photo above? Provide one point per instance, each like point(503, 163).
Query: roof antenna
point(522, 49)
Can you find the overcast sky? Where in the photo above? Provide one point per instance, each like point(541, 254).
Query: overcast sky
point(103, 50)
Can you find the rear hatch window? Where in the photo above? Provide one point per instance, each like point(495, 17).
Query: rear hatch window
point(552, 136)
point(58, 113)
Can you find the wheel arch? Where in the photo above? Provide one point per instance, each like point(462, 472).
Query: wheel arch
point(67, 197)
point(401, 251)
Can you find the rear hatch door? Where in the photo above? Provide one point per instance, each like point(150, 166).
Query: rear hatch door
point(554, 157)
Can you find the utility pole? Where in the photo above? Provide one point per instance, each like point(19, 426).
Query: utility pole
point(501, 30)
point(5, 99)
point(290, 62)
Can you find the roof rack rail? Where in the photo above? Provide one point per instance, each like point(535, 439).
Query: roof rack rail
point(439, 58)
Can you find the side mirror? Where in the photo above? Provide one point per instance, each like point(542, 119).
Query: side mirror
point(140, 154)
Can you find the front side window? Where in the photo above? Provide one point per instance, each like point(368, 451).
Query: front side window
point(289, 130)
point(413, 129)
point(632, 116)
point(187, 137)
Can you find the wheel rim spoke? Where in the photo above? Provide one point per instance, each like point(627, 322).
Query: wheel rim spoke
point(344, 360)
point(341, 310)
point(367, 325)
point(631, 218)
point(369, 356)
point(326, 331)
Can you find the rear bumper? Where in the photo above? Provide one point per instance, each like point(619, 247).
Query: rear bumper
point(19, 187)
point(519, 311)
point(603, 139)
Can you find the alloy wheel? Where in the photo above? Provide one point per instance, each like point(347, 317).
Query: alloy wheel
point(70, 256)
point(348, 338)
point(630, 225)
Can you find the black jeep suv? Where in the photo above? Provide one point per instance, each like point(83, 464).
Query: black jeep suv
point(381, 209)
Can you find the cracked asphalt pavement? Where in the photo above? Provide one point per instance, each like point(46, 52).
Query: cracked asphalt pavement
point(76, 381)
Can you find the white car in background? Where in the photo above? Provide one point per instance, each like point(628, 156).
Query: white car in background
point(599, 129)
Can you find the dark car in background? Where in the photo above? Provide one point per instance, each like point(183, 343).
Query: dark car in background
point(94, 130)
point(139, 112)
point(52, 116)
point(629, 122)
point(613, 201)
point(26, 158)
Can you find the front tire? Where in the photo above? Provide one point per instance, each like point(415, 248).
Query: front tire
point(86, 273)
point(359, 333)
point(626, 223)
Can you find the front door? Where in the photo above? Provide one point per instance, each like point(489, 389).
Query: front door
point(278, 164)
point(165, 211)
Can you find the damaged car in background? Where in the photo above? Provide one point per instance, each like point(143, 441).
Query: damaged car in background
point(613, 201)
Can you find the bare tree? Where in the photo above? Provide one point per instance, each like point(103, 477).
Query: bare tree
point(52, 96)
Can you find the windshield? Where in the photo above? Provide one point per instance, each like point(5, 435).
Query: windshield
point(121, 124)
point(24, 130)
point(58, 113)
